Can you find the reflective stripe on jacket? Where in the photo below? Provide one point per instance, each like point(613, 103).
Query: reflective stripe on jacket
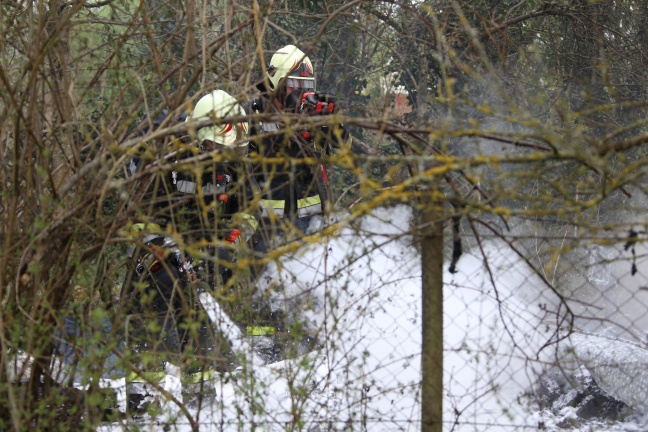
point(305, 206)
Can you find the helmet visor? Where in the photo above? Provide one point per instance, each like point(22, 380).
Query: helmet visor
point(300, 83)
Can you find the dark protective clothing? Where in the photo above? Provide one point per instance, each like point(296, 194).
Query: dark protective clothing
point(291, 186)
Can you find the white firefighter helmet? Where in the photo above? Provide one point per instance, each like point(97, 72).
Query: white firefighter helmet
point(217, 105)
point(291, 63)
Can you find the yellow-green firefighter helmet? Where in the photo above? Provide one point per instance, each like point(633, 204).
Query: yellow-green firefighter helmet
point(217, 105)
point(291, 63)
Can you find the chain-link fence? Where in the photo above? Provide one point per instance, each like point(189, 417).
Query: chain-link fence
point(329, 337)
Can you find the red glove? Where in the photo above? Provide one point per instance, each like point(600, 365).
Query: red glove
point(233, 236)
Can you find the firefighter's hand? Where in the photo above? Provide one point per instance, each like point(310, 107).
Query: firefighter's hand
point(318, 103)
point(324, 97)
point(233, 236)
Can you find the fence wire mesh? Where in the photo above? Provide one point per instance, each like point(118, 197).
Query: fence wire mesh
point(451, 236)
point(329, 337)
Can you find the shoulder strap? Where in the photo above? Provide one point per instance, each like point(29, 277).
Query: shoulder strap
point(257, 105)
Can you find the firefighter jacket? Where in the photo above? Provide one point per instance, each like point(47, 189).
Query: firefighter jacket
point(291, 184)
point(202, 199)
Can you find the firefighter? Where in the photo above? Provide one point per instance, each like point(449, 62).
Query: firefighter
point(294, 188)
point(203, 201)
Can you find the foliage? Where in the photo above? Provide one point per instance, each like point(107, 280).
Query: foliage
point(527, 123)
